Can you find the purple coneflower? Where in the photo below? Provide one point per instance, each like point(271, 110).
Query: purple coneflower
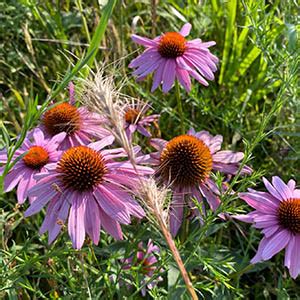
point(171, 56)
point(136, 120)
point(146, 261)
point(186, 162)
point(38, 152)
point(79, 124)
point(88, 181)
point(277, 213)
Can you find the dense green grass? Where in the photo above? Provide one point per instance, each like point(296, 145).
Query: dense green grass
point(252, 103)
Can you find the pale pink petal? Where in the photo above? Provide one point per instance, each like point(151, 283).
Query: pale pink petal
point(143, 131)
point(185, 30)
point(110, 225)
point(13, 177)
point(291, 184)
point(38, 136)
point(213, 200)
point(76, 224)
point(176, 212)
point(269, 231)
point(228, 156)
point(261, 247)
point(58, 138)
point(106, 141)
point(158, 76)
point(92, 220)
point(282, 188)
point(39, 203)
point(271, 189)
point(184, 78)
point(158, 144)
point(168, 76)
point(295, 258)
point(276, 244)
point(259, 202)
point(198, 77)
point(111, 205)
point(215, 143)
point(143, 41)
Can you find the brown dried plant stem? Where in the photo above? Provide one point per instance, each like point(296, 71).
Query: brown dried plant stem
point(176, 256)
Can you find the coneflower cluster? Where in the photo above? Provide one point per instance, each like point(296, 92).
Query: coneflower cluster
point(79, 162)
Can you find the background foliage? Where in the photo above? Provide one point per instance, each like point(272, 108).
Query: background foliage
point(253, 103)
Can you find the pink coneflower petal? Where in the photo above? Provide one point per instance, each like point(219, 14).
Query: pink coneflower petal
point(168, 76)
point(271, 189)
point(143, 41)
point(276, 244)
point(185, 30)
point(111, 205)
point(176, 212)
point(295, 258)
point(92, 221)
point(76, 224)
point(292, 184)
point(213, 200)
point(110, 225)
point(259, 202)
point(184, 78)
point(282, 188)
point(227, 156)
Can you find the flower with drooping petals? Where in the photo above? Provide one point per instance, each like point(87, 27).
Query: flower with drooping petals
point(277, 213)
point(136, 120)
point(79, 124)
point(170, 56)
point(38, 152)
point(90, 187)
point(146, 261)
point(185, 164)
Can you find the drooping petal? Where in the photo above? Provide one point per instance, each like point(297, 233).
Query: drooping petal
point(168, 76)
point(295, 257)
point(213, 200)
point(13, 177)
point(111, 205)
point(76, 224)
point(176, 212)
point(276, 243)
point(40, 202)
point(158, 76)
point(110, 225)
point(92, 220)
point(261, 247)
point(184, 78)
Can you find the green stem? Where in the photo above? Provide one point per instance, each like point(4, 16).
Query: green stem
point(179, 106)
